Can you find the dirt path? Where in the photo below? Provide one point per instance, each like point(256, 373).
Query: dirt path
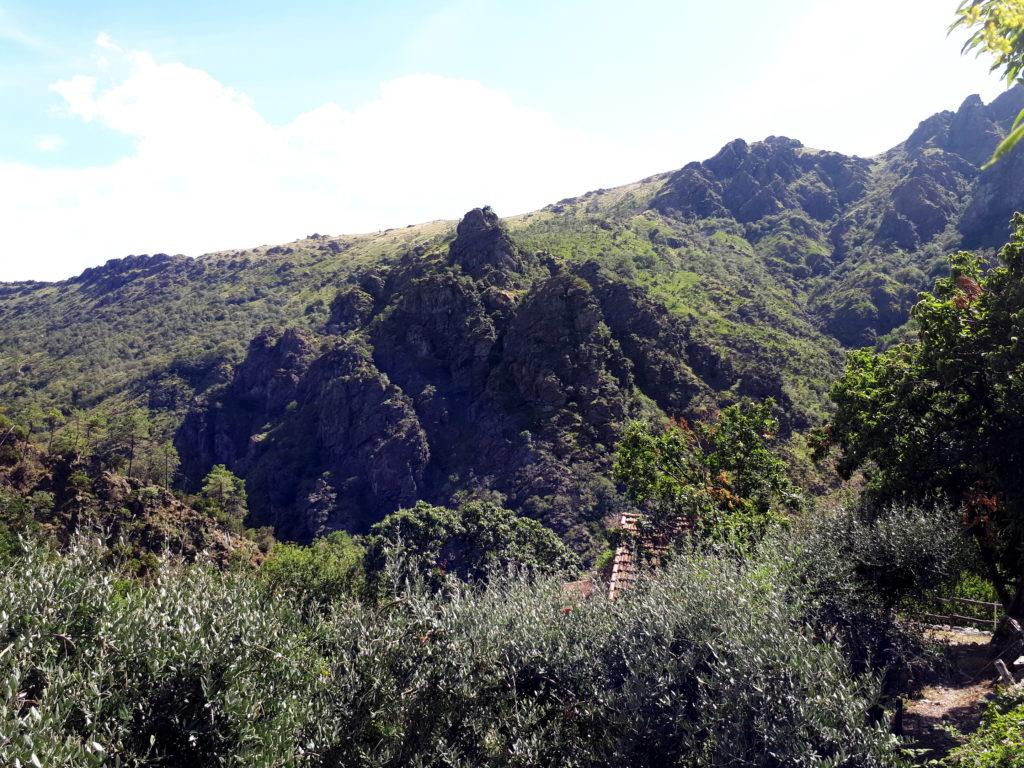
point(956, 697)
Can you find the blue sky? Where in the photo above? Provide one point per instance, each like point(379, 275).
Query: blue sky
point(132, 127)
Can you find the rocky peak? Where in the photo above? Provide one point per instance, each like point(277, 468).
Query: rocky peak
point(1005, 107)
point(484, 250)
point(973, 131)
point(751, 181)
point(973, 134)
point(477, 221)
point(932, 131)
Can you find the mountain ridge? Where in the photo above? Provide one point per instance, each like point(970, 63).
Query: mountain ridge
point(502, 357)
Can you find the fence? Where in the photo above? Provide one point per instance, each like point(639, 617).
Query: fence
point(962, 612)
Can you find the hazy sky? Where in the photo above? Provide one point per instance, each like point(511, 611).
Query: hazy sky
point(186, 127)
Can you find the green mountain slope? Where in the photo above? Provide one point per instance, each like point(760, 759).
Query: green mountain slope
point(503, 358)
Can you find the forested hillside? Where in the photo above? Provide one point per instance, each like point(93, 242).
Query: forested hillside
point(347, 377)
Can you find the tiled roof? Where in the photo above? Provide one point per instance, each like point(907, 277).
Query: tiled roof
point(626, 565)
point(623, 566)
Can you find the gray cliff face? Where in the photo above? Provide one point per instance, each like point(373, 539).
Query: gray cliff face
point(330, 423)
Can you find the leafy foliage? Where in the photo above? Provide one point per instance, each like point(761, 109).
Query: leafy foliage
point(329, 569)
point(999, 742)
point(223, 496)
point(471, 542)
point(722, 478)
point(711, 664)
point(857, 568)
point(940, 418)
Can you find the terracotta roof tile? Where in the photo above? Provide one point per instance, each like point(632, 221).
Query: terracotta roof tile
point(625, 565)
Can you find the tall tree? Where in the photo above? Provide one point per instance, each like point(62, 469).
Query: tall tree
point(223, 495)
point(941, 418)
point(721, 478)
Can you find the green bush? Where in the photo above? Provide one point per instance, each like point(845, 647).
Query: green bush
point(855, 569)
point(470, 542)
point(18, 520)
point(327, 570)
point(711, 663)
point(191, 668)
point(999, 742)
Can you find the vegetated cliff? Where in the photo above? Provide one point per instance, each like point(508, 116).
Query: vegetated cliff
point(62, 495)
point(503, 358)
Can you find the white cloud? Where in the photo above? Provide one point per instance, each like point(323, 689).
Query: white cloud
point(858, 77)
point(49, 142)
point(208, 172)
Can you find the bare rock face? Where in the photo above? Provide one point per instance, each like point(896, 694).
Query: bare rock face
point(436, 332)
point(351, 434)
point(750, 182)
point(932, 190)
point(972, 133)
point(563, 363)
point(998, 195)
point(351, 308)
point(288, 419)
point(484, 250)
point(999, 192)
point(258, 393)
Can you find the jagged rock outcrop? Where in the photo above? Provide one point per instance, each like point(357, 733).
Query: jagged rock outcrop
point(456, 390)
point(999, 192)
point(350, 429)
point(972, 133)
point(484, 250)
point(655, 341)
point(852, 211)
point(749, 182)
point(932, 190)
point(998, 195)
point(481, 367)
point(260, 390)
point(350, 309)
point(561, 365)
point(331, 425)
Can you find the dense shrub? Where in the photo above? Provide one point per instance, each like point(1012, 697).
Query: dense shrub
point(939, 417)
point(999, 742)
point(855, 568)
point(711, 663)
point(327, 570)
point(190, 669)
point(470, 541)
point(724, 478)
point(18, 520)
